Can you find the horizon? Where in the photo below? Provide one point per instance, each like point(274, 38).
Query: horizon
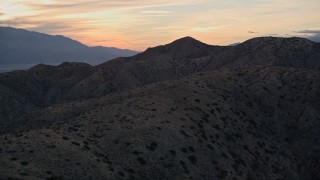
point(166, 43)
point(137, 25)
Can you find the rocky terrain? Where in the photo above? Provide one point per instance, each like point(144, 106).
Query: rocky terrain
point(185, 110)
point(45, 85)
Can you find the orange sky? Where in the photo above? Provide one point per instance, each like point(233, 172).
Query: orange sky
point(139, 24)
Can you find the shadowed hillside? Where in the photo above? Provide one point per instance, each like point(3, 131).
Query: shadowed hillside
point(185, 110)
point(239, 123)
point(42, 85)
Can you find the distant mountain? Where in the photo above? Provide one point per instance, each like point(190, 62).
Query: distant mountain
point(315, 38)
point(234, 44)
point(19, 46)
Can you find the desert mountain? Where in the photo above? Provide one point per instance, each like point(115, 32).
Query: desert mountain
point(185, 110)
point(44, 85)
point(233, 123)
point(19, 46)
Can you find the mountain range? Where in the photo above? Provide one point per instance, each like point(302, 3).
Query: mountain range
point(184, 110)
point(22, 48)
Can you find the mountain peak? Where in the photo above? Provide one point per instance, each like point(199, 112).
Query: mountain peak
point(186, 47)
point(186, 38)
point(187, 41)
point(41, 67)
point(73, 64)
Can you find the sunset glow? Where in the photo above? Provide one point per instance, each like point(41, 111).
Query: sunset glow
point(139, 24)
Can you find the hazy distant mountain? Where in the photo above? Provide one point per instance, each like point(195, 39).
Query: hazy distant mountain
point(185, 110)
point(315, 38)
point(234, 44)
point(19, 46)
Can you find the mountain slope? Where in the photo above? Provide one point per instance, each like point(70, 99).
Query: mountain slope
point(177, 59)
point(239, 123)
point(19, 46)
point(185, 110)
point(287, 52)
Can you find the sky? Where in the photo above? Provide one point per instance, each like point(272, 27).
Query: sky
point(139, 24)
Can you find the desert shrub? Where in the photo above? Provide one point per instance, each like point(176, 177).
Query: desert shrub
point(152, 146)
point(75, 143)
point(173, 152)
point(24, 163)
point(193, 160)
point(141, 161)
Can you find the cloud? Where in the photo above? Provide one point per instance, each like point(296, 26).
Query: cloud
point(52, 26)
point(57, 27)
point(308, 31)
point(97, 5)
point(313, 35)
point(150, 23)
point(156, 12)
point(1, 13)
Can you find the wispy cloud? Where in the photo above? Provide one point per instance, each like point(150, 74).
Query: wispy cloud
point(313, 35)
point(308, 31)
point(206, 28)
point(97, 5)
point(149, 23)
point(156, 12)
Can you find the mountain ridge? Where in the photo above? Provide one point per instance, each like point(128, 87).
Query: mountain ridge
point(20, 46)
point(185, 110)
point(72, 81)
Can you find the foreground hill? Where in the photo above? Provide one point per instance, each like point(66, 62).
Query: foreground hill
point(43, 85)
point(19, 46)
point(233, 123)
